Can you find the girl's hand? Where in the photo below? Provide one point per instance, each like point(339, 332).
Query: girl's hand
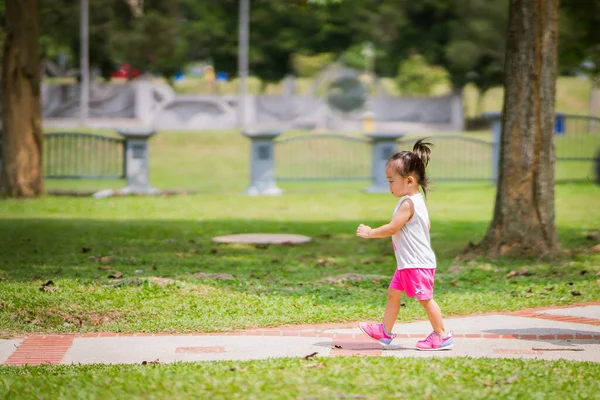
point(363, 231)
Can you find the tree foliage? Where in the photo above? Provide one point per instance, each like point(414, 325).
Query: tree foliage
point(466, 37)
point(417, 78)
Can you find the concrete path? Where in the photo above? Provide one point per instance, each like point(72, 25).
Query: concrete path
point(571, 333)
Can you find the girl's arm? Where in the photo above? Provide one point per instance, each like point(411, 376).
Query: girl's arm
point(402, 216)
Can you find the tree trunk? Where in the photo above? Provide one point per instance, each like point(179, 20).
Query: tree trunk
point(524, 222)
point(21, 174)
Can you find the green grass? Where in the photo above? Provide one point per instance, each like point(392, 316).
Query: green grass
point(170, 237)
point(319, 378)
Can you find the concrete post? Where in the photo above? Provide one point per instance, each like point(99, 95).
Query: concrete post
point(496, 126)
point(457, 119)
point(383, 146)
point(262, 164)
point(136, 161)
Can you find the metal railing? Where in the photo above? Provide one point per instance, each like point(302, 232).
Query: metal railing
point(83, 156)
point(322, 157)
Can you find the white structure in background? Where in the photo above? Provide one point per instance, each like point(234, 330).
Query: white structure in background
point(157, 106)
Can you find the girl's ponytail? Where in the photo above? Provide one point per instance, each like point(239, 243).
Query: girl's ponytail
point(422, 150)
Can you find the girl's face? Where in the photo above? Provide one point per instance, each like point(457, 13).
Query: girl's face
point(399, 185)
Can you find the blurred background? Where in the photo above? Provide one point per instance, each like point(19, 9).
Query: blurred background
point(200, 72)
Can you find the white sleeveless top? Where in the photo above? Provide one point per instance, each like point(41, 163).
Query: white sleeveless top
point(412, 245)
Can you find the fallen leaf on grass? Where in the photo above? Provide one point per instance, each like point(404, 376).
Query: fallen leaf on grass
point(116, 275)
point(549, 288)
point(48, 287)
point(238, 369)
point(512, 379)
point(528, 295)
point(85, 249)
point(454, 282)
point(521, 272)
point(151, 362)
point(598, 273)
point(576, 293)
point(180, 254)
point(582, 272)
point(311, 355)
point(105, 259)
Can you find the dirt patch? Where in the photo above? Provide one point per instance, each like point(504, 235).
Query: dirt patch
point(153, 279)
point(52, 317)
point(352, 278)
point(223, 277)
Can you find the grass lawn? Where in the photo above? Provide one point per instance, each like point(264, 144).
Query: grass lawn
point(319, 378)
point(77, 242)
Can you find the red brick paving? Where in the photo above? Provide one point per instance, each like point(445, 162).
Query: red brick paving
point(41, 349)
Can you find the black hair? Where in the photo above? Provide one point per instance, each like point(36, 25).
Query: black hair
point(414, 162)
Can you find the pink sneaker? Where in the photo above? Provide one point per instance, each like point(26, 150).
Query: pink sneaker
point(376, 331)
point(436, 342)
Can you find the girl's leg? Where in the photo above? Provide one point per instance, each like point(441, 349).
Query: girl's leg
point(392, 308)
point(435, 316)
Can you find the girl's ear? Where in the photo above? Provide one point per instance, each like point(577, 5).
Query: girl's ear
point(411, 179)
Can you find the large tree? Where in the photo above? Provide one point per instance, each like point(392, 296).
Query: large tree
point(524, 221)
point(21, 174)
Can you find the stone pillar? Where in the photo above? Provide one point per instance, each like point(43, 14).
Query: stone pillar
point(496, 126)
point(262, 163)
point(136, 161)
point(383, 146)
point(457, 117)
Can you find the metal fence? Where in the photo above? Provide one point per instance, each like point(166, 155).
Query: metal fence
point(456, 157)
point(322, 157)
point(577, 144)
point(83, 156)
